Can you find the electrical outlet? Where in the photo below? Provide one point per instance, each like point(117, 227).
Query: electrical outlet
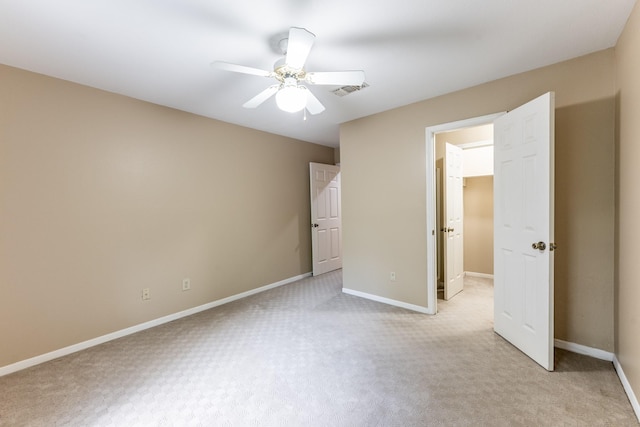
point(186, 284)
point(392, 276)
point(146, 294)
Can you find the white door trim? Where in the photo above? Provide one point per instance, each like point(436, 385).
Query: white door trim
point(432, 286)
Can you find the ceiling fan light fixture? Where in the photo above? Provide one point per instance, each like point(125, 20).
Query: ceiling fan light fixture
point(291, 98)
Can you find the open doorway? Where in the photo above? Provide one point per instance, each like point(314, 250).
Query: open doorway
point(456, 248)
point(523, 224)
point(464, 207)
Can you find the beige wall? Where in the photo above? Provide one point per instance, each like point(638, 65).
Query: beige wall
point(102, 195)
point(478, 224)
point(384, 190)
point(628, 202)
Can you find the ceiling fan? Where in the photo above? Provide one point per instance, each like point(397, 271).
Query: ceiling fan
point(291, 94)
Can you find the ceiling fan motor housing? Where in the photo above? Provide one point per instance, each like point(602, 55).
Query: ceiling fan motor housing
point(283, 71)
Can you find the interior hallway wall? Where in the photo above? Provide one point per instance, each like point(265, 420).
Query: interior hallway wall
point(478, 225)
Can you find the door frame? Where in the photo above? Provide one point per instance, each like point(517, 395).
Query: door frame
point(431, 131)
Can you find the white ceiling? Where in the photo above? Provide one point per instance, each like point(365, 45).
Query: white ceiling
point(160, 50)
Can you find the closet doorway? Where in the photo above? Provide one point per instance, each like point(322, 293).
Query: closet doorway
point(464, 206)
point(463, 232)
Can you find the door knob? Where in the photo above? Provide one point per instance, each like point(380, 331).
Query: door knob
point(449, 230)
point(315, 225)
point(540, 246)
point(553, 247)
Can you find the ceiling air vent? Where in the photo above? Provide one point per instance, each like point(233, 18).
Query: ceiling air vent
point(346, 90)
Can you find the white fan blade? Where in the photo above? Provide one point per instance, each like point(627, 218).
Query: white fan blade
point(241, 69)
point(298, 47)
point(313, 105)
point(261, 97)
point(342, 78)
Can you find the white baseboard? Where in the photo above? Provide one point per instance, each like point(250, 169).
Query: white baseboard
point(627, 387)
point(389, 301)
point(482, 275)
point(583, 349)
point(14, 367)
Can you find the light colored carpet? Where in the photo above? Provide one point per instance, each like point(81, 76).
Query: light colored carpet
point(307, 355)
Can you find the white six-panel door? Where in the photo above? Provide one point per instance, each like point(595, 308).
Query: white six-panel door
point(454, 225)
point(326, 223)
point(523, 227)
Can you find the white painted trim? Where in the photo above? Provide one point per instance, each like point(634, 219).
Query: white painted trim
point(627, 386)
point(481, 275)
point(413, 307)
point(583, 349)
point(18, 366)
point(432, 288)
